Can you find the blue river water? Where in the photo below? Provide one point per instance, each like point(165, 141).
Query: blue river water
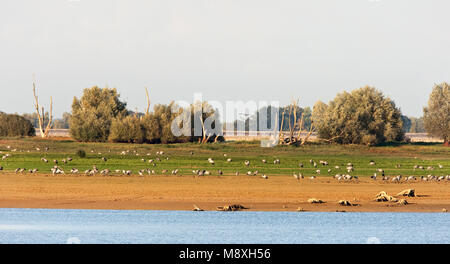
point(54, 226)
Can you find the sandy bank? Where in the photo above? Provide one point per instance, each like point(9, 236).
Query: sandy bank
point(281, 193)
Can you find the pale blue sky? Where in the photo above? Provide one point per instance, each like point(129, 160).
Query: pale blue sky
point(225, 49)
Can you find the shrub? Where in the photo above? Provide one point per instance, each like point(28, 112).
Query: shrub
point(15, 125)
point(127, 130)
point(81, 153)
point(92, 115)
point(361, 117)
point(436, 116)
point(158, 125)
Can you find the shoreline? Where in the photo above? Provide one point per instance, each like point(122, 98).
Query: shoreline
point(240, 211)
point(278, 193)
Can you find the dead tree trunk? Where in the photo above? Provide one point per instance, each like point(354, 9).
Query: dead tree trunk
point(41, 115)
point(281, 136)
point(148, 101)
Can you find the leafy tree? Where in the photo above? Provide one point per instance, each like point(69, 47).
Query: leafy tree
point(152, 127)
point(127, 129)
point(15, 125)
point(436, 115)
point(157, 124)
point(417, 125)
point(363, 116)
point(407, 123)
point(92, 115)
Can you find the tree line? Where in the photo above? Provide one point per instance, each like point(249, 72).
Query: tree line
point(99, 116)
point(362, 116)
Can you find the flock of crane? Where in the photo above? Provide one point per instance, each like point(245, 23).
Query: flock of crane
point(318, 167)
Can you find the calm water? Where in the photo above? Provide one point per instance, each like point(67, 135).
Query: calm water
point(111, 226)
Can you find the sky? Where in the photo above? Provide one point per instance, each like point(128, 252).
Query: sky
point(227, 50)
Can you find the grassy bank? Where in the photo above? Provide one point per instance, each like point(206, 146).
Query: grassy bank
point(27, 153)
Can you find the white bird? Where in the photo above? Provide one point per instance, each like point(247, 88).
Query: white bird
point(298, 176)
point(105, 172)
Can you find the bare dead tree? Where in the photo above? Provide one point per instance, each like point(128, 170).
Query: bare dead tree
point(41, 115)
point(311, 130)
point(291, 129)
point(330, 140)
point(280, 136)
point(297, 128)
point(299, 135)
point(293, 111)
point(148, 102)
point(204, 139)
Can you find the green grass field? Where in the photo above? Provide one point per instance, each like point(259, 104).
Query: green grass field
point(24, 154)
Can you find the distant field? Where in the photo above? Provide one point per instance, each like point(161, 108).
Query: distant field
point(24, 154)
